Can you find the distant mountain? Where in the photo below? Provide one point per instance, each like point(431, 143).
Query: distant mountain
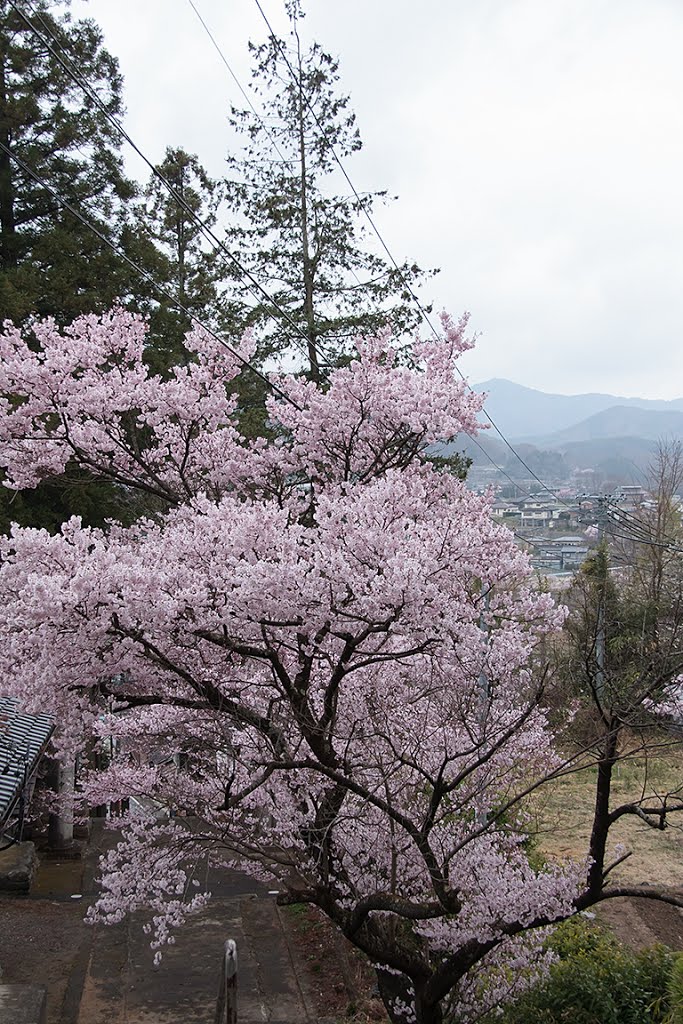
point(621, 459)
point(526, 414)
point(618, 421)
point(556, 435)
point(624, 458)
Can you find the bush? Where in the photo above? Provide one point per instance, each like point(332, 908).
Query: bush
point(675, 991)
point(597, 980)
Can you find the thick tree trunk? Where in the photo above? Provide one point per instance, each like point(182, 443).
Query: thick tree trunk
point(398, 992)
point(61, 825)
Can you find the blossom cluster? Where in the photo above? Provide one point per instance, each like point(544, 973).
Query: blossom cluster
point(319, 646)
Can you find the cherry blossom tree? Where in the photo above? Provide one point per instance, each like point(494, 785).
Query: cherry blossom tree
point(329, 633)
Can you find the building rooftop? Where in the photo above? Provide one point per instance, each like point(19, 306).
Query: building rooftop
point(23, 740)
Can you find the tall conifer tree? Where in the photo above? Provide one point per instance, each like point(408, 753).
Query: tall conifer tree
point(297, 227)
point(51, 263)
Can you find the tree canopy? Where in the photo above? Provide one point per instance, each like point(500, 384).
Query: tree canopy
point(51, 263)
point(335, 635)
point(297, 223)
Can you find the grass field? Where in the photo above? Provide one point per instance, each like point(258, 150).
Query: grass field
point(562, 814)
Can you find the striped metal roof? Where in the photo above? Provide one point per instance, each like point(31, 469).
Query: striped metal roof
point(23, 739)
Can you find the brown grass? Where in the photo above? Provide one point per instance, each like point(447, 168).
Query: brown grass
point(562, 814)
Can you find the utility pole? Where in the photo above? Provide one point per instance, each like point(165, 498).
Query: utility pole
point(601, 504)
point(600, 632)
point(483, 684)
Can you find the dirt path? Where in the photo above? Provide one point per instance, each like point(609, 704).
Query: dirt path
point(639, 923)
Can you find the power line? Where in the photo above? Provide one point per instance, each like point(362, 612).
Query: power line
point(664, 545)
point(638, 531)
point(147, 276)
point(406, 284)
point(175, 301)
point(632, 526)
point(259, 117)
point(500, 469)
point(610, 514)
point(237, 82)
point(254, 286)
point(650, 543)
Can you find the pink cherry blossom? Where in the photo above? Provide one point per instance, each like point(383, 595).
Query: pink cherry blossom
point(319, 650)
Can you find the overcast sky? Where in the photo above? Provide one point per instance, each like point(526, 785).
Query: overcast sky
point(536, 147)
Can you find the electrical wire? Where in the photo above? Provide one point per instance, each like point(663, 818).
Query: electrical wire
point(631, 520)
point(406, 284)
point(651, 543)
point(502, 471)
point(637, 528)
point(253, 284)
point(615, 518)
point(147, 276)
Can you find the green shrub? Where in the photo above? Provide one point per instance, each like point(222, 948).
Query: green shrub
point(675, 991)
point(597, 980)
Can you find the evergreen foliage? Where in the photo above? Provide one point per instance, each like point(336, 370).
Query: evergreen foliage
point(597, 980)
point(188, 266)
point(305, 240)
point(51, 263)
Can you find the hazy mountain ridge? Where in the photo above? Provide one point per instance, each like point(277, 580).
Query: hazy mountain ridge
point(527, 414)
point(618, 421)
point(557, 434)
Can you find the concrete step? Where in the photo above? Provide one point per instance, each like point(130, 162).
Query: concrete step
point(122, 986)
point(22, 1004)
